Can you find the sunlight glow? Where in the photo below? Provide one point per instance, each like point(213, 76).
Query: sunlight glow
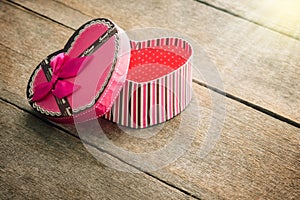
point(285, 13)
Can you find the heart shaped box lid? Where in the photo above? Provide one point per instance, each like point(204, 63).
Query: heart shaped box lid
point(81, 81)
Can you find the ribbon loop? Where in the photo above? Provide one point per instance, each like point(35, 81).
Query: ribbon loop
point(63, 66)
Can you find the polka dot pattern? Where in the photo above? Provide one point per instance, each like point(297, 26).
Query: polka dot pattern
point(149, 64)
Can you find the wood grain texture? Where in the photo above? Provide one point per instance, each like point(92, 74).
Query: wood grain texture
point(256, 156)
point(282, 16)
point(254, 63)
point(41, 162)
point(35, 41)
point(253, 151)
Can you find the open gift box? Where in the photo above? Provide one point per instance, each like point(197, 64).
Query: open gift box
point(100, 72)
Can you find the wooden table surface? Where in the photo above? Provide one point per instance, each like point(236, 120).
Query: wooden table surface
point(255, 152)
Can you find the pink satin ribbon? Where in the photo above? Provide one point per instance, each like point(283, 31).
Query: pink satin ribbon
point(63, 66)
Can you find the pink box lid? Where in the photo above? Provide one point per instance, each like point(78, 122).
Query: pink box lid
point(88, 72)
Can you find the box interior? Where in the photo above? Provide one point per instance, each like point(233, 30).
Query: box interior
point(150, 63)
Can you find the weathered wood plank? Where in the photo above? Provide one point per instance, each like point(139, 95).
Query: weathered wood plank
point(50, 9)
point(255, 64)
point(282, 16)
point(33, 41)
point(255, 156)
point(15, 93)
point(41, 162)
point(245, 157)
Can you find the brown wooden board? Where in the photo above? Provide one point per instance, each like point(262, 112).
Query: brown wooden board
point(277, 15)
point(40, 162)
point(255, 155)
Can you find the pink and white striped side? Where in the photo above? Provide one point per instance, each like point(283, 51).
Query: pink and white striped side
point(143, 104)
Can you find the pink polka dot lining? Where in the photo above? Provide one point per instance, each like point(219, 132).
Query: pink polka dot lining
point(148, 64)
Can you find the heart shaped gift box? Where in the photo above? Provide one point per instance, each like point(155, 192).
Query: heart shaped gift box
point(100, 72)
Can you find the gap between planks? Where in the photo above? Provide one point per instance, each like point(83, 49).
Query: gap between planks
point(61, 168)
point(99, 149)
point(246, 19)
point(39, 14)
point(202, 84)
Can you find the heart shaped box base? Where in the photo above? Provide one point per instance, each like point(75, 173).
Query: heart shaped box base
point(158, 85)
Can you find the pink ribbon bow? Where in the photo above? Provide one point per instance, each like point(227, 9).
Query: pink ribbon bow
point(63, 66)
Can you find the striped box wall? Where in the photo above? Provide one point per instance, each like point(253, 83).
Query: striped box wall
point(140, 105)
